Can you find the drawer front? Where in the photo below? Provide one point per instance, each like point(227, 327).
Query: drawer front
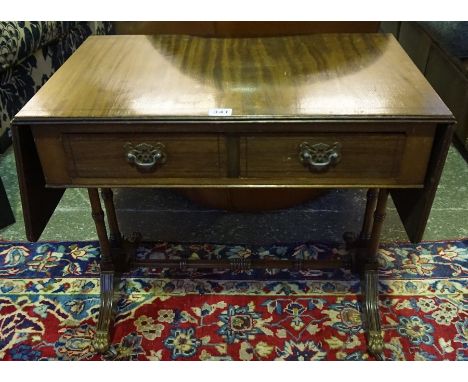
point(324, 158)
point(144, 155)
point(339, 156)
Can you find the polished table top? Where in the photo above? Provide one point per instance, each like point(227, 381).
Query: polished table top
point(344, 82)
point(315, 77)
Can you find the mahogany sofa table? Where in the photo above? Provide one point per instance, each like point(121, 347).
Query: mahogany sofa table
point(318, 111)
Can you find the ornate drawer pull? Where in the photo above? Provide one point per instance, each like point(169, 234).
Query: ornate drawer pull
point(145, 156)
point(320, 156)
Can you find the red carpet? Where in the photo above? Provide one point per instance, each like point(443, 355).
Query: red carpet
point(49, 295)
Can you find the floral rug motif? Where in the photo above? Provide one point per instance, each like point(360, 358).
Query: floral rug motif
point(49, 301)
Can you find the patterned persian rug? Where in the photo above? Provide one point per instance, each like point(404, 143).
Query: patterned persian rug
point(49, 299)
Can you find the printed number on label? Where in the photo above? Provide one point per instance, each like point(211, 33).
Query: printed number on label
point(220, 112)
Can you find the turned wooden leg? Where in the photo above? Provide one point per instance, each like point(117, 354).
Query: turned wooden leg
point(98, 217)
point(122, 248)
point(370, 279)
point(362, 243)
point(108, 197)
point(357, 246)
point(102, 340)
point(371, 203)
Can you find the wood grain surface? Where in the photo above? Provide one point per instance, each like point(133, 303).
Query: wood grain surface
point(314, 77)
point(203, 155)
point(244, 28)
point(277, 156)
point(396, 158)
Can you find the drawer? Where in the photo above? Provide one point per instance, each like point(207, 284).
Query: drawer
point(144, 155)
point(106, 156)
point(335, 158)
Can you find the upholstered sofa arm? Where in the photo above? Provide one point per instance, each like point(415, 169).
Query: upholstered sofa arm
point(452, 35)
point(30, 52)
point(19, 39)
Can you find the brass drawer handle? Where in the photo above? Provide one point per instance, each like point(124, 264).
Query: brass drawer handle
point(320, 156)
point(145, 156)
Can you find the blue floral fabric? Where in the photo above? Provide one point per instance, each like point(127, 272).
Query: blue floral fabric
point(19, 39)
point(30, 52)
